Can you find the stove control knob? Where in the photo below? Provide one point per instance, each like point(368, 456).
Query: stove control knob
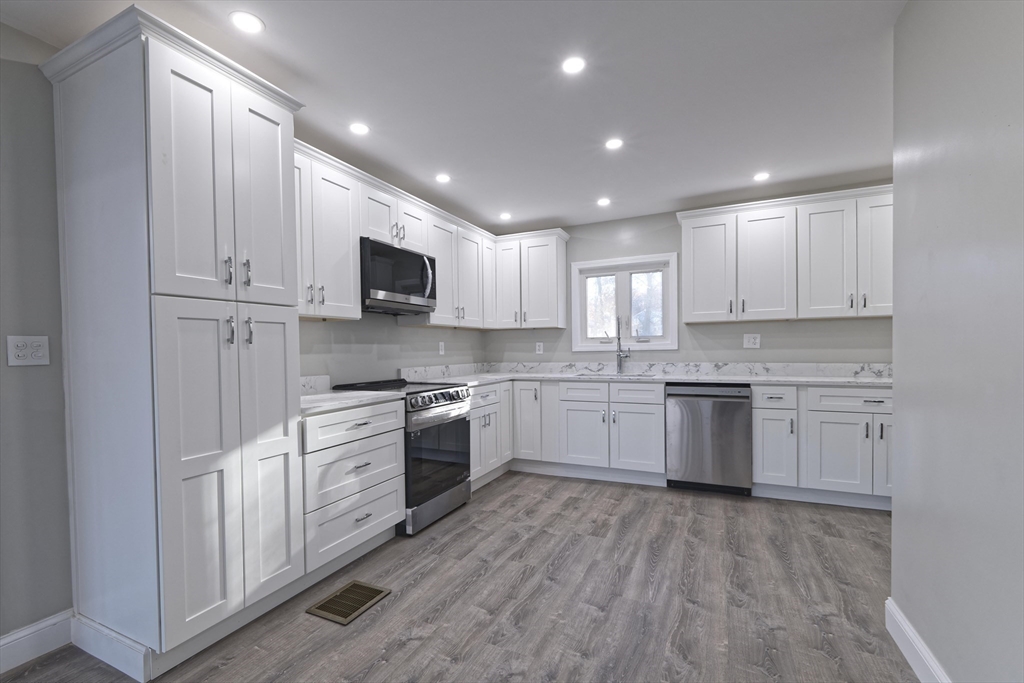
point(428, 400)
point(415, 401)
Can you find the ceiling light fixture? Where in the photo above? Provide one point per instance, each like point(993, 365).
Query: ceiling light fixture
point(763, 175)
point(443, 178)
point(573, 65)
point(359, 128)
point(248, 23)
point(604, 201)
point(614, 143)
point(505, 216)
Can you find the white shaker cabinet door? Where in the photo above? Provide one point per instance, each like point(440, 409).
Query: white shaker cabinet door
point(583, 431)
point(505, 421)
point(191, 175)
point(443, 244)
point(839, 456)
point(490, 284)
point(539, 281)
point(490, 439)
point(412, 227)
point(526, 416)
point(638, 437)
point(708, 269)
point(263, 155)
point(476, 446)
point(304, 233)
point(378, 215)
point(268, 364)
point(883, 455)
point(874, 255)
point(509, 302)
point(766, 264)
point(200, 464)
point(336, 243)
point(775, 447)
point(471, 262)
point(827, 259)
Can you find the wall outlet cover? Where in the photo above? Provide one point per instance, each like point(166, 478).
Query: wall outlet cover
point(440, 348)
point(540, 347)
point(751, 341)
point(28, 350)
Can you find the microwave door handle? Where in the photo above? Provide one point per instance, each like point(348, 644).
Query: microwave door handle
point(430, 278)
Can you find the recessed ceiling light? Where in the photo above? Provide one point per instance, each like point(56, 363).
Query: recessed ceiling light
point(443, 178)
point(763, 175)
point(249, 23)
point(573, 65)
point(505, 216)
point(614, 143)
point(604, 201)
point(359, 128)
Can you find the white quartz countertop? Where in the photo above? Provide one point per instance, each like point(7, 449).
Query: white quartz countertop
point(492, 378)
point(339, 400)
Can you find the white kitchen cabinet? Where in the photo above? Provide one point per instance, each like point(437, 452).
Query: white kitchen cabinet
point(505, 440)
point(839, 451)
point(470, 271)
point(550, 419)
point(336, 291)
point(443, 244)
point(708, 269)
point(543, 281)
point(508, 292)
point(766, 264)
point(882, 455)
point(490, 284)
point(484, 440)
point(775, 446)
point(526, 417)
point(874, 255)
point(413, 222)
point(378, 214)
point(584, 433)
point(827, 259)
point(637, 437)
point(268, 371)
point(304, 232)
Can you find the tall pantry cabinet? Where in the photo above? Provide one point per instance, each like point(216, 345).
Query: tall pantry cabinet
point(179, 285)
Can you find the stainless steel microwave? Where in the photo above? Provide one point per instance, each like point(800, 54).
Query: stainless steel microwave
point(396, 281)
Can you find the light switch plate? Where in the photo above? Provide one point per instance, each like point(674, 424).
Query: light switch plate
point(28, 350)
point(751, 341)
point(440, 348)
point(540, 347)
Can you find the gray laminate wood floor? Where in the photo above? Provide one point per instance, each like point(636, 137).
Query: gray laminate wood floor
point(545, 579)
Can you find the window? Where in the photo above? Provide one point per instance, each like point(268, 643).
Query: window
point(633, 296)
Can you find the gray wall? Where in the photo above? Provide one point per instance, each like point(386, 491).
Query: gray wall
point(811, 341)
point(958, 338)
point(35, 551)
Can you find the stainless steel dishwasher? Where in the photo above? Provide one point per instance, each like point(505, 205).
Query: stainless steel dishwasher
point(708, 437)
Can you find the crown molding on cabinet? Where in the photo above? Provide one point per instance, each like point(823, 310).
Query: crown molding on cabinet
point(786, 201)
point(133, 23)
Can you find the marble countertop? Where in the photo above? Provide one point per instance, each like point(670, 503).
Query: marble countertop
point(492, 378)
point(315, 404)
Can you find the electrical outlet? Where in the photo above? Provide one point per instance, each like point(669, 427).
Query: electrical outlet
point(751, 341)
point(28, 350)
point(440, 348)
point(540, 347)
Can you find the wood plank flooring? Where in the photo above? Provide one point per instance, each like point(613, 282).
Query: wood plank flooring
point(549, 579)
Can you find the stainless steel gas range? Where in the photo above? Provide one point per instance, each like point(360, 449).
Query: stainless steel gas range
point(436, 448)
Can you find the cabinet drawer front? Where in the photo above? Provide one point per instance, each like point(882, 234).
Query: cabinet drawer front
point(636, 392)
point(338, 472)
point(484, 396)
point(343, 426)
point(850, 400)
point(773, 397)
point(337, 528)
point(583, 391)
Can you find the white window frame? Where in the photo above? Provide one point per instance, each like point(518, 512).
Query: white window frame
point(666, 263)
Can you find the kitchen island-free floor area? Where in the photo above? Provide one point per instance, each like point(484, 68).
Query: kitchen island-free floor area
point(543, 578)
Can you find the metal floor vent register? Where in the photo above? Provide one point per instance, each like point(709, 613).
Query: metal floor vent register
point(348, 603)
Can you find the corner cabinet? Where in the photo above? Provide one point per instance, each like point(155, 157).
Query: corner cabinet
point(819, 256)
point(177, 165)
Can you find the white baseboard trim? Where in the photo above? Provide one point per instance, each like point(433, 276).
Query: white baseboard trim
point(35, 640)
point(490, 476)
point(559, 469)
point(853, 500)
point(124, 654)
point(909, 641)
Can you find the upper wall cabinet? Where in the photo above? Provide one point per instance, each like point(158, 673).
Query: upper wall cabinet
point(471, 272)
point(490, 283)
point(378, 215)
point(412, 227)
point(818, 256)
point(507, 289)
point(542, 281)
point(442, 244)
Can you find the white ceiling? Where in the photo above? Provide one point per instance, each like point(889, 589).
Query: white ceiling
point(704, 94)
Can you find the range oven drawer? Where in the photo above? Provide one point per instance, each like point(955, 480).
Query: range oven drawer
point(344, 426)
point(337, 472)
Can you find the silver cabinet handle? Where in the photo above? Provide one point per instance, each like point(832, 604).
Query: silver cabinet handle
point(867, 430)
point(730, 305)
point(323, 295)
point(790, 425)
point(743, 305)
point(463, 312)
point(851, 300)
point(402, 235)
point(248, 272)
point(517, 316)
point(310, 298)
point(534, 394)
point(524, 317)
point(774, 398)
point(364, 517)
point(252, 331)
point(456, 312)
point(394, 231)
point(231, 270)
point(865, 300)
point(365, 464)
point(365, 423)
point(603, 417)
point(874, 400)
point(613, 417)
point(881, 431)
point(231, 330)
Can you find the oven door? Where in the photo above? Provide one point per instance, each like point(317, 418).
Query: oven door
point(436, 457)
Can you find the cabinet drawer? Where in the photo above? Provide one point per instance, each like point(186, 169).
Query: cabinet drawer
point(484, 396)
point(334, 473)
point(339, 527)
point(583, 391)
point(772, 397)
point(636, 392)
point(343, 426)
point(850, 400)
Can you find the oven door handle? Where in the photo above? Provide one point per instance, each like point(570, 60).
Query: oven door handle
point(414, 423)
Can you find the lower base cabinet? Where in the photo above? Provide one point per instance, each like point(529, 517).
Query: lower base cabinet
point(637, 437)
point(839, 451)
point(775, 447)
point(882, 455)
point(526, 420)
point(583, 430)
point(484, 440)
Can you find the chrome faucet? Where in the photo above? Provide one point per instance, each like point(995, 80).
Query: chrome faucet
point(620, 355)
